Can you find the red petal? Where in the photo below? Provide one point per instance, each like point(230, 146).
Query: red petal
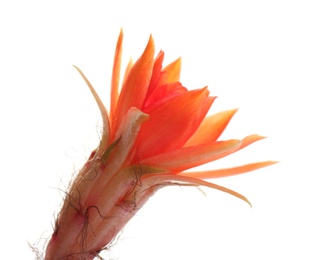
point(171, 124)
point(156, 74)
point(162, 94)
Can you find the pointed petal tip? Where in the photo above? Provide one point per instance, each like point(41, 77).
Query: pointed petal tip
point(233, 110)
point(104, 114)
point(272, 162)
point(205, 92)
point(205, 88)
point(249, 203)
point(227, 172)
point(150, 47)
point(120, 36)
point(251, 139)
point(149, 50)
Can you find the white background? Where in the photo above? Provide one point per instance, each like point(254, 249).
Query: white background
point(253, 55)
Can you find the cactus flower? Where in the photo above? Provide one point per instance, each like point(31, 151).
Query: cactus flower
point(154, 131)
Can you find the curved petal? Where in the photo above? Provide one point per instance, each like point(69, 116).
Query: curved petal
point(162, 94)
point(227, 171)
point(135, 86)
point(116, 73)
point(172, 123)
point(211, 128)
point(250, 139)
point(155, 75)
point(171, 179)
point(189, 157)
point(105, 118)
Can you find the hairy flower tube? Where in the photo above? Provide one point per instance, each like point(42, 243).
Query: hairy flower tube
point(155, 130)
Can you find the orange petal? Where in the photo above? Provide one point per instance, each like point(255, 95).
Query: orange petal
point(171, 124)
point(189, 157)
point(135, 86)
point(249, 140)
point(172, 72)
point(127, 70)
point(228, 171)
point(211, 128)
point(104, 115)
point(116, 73)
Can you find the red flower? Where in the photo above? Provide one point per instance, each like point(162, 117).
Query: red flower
point(156, 129)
